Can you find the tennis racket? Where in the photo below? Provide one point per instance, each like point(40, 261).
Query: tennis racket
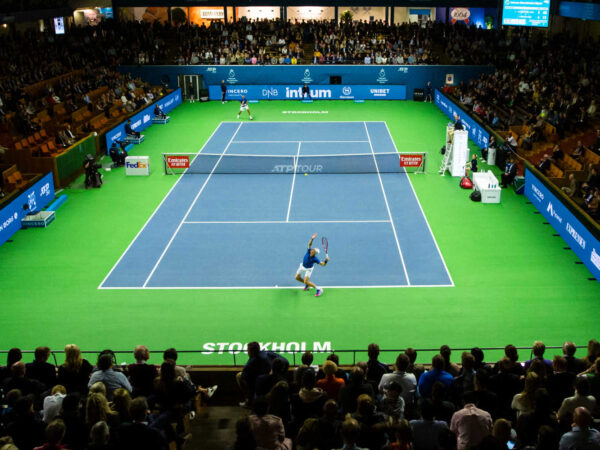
point(325, 245)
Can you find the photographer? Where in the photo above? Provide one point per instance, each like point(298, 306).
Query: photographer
point(92, 176)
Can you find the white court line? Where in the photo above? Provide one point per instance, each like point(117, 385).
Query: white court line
point(156, 210)
point(287, 217)
point(223, 288)
point(423, 212)
point(387, 206)
point(293, 142)
point(287, 221)
point(305, 121)
point(191, 206)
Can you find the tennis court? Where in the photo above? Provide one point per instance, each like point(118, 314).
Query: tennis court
point(243, 212)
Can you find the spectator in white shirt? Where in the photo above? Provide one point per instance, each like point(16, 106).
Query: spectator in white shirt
point(582, 397)
point(400, 376)
point(53, 403)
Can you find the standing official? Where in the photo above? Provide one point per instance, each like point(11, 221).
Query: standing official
point(223, 91)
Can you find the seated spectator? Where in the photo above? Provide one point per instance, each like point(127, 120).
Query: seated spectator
point(524, 402)
point(486, 399)
point(74, 374)
point(14, 355)
point(76, 436)
point(129, 131)
point(265, 382)
point(309, 401)
point(571, 189)
point(512, 142)
point(55, 433)
point(416, 369)
point(470, 424)
point(100, 437)
point(121, 404)
point(443, 409)
point(267, 429)
point(171, 390)
point(528, 424)
point(350, 434)
point(557, 153)
point(582, 397)
point(445, 352)
point(27, 430)
point(593, 350)
point(142, 374)
point(40, 369)
point(401, 376)
point(97, 409)
point(544, 164)
point(582, 435)
point(356, 386)
point(465, 382)
point(560, 384)
point(403, 436)
point(372, 424)
point(426, 429)
point(579, 151)
point(574, 365)
point(340, 373)
point(392, 403)
point(279, 402)
point(307, 364)
point(53, 403)
point(435, 374)
point(446, 440)
point(140, 432)
point(331, 385)
point(479, 357)
point(111, 379)
point(19, 381)
point(259, 363)
point(244, 437)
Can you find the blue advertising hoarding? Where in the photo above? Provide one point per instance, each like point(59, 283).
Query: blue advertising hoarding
point(527, 13)
point(319, 92)
point(32, 200)
point(476, 132)
point(413, 77)
point(579, 10)
point(577, 236)
point(143, 119)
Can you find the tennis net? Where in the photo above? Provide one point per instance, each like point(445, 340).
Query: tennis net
point(210, 163)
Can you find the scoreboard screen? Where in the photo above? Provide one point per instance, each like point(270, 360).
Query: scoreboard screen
point(527, 13)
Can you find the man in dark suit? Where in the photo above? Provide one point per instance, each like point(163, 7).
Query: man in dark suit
point(509, 173)
point(457, 123)
point(40, 369)
point(139, 433)
point(544, 164)
point(223, 91)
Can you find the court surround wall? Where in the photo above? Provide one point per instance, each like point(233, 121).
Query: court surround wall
point(413, 77)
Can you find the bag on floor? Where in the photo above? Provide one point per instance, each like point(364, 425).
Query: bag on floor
point(475, 196)
point(466, 183)
point(443, 151)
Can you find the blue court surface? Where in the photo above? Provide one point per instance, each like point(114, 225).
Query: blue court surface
point(218, 229)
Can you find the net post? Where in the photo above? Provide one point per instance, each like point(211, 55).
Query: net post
point(164, 158)
point(424, 165)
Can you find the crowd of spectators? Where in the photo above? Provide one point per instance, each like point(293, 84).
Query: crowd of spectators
point(538, 78)
point(536, 404)
point(96, 407)
point(277, 42)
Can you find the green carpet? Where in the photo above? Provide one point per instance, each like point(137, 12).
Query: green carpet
point(514, 282)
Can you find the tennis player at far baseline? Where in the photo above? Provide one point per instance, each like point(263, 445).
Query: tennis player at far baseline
point(307, 265)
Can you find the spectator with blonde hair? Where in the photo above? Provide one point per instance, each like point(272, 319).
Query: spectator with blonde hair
point(97, 409)
point(330, 384)
point(593, 352)
point(53, 403)
point(75, 373)
point(121, 404)
point(524, 402)
point(142, 374)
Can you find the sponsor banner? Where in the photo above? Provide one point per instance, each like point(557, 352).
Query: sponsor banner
point(317, 92)
point(137, 165)
point(178, 162)
point(476, 132)
point(33, 200)
point(411, 160)
point(236, 348)
point(575, 234)
point(143, 119)
point(212, 13)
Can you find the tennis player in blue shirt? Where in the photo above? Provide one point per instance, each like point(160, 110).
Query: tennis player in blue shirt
point(307, 265)
point(244, 106)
